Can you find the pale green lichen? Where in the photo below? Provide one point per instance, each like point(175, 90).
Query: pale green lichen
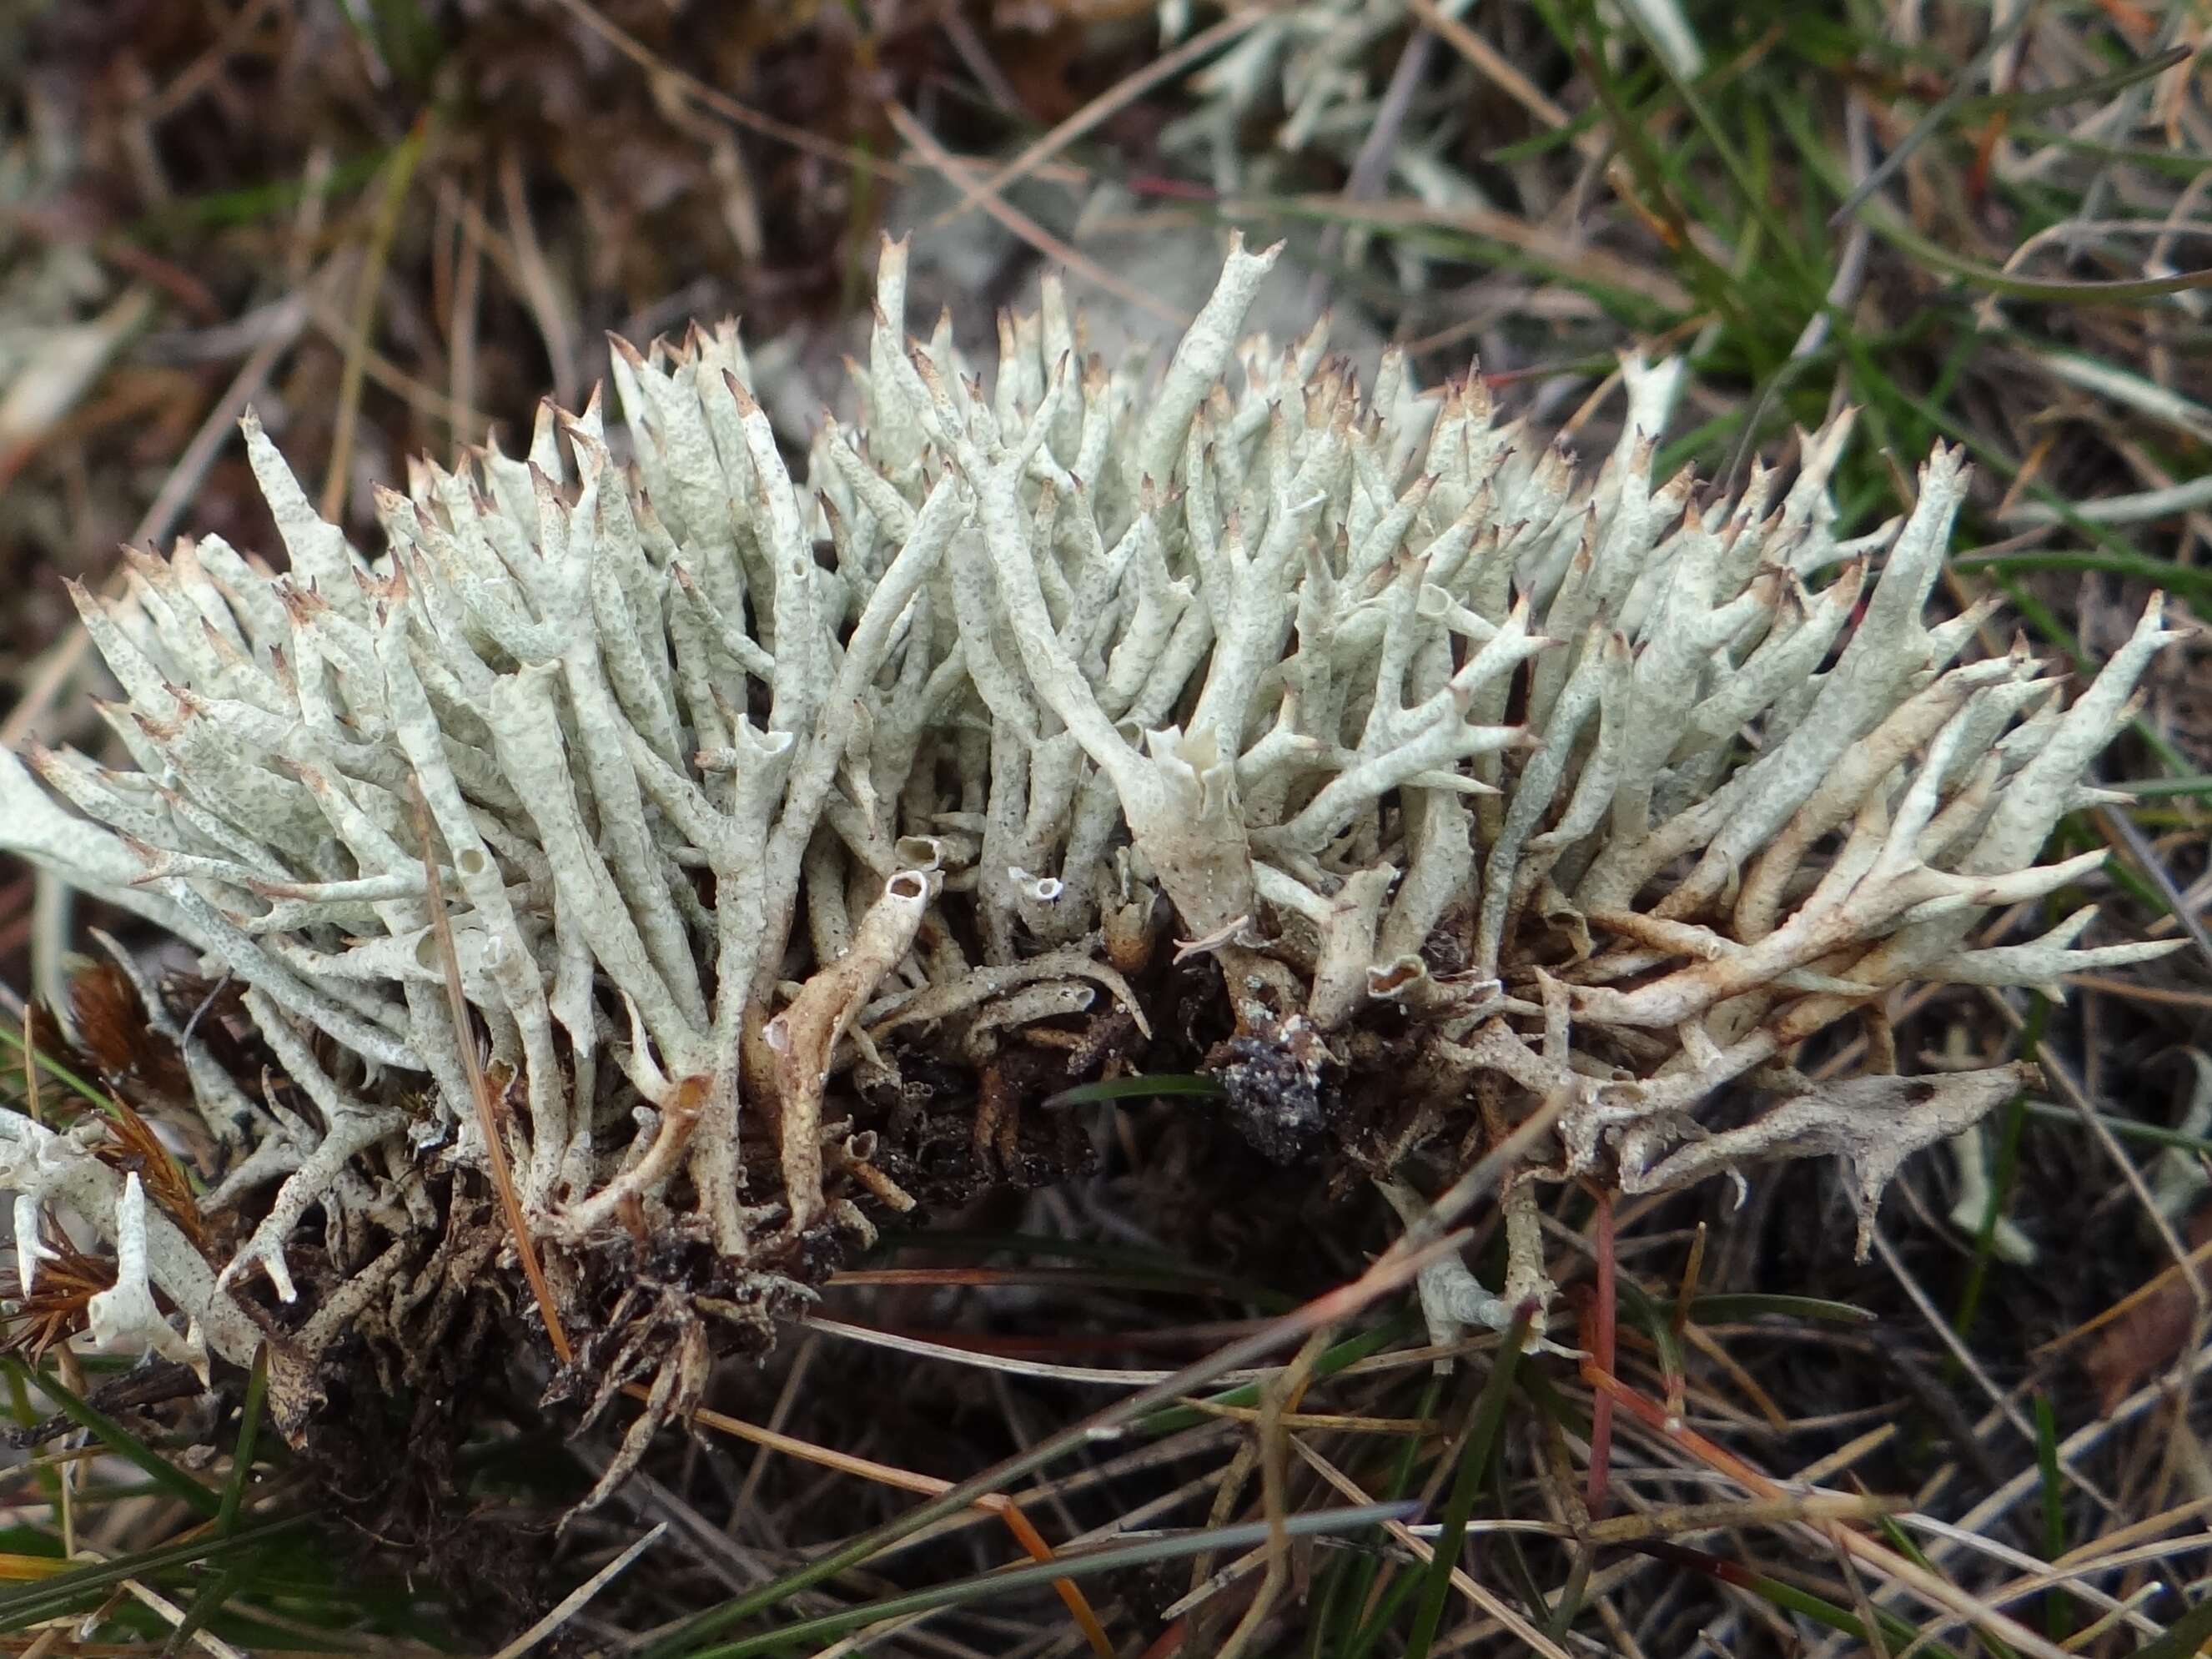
point(1560, 786)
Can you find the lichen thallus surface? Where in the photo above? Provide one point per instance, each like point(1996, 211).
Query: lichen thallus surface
point(756, 803)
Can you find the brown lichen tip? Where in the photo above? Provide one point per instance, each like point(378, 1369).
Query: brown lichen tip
point(1427, 746)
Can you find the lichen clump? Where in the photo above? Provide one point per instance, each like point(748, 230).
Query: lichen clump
point(754, 802)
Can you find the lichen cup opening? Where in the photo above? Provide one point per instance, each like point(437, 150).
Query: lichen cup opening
point(758, 818)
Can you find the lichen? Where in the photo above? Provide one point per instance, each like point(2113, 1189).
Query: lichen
point(752, 798)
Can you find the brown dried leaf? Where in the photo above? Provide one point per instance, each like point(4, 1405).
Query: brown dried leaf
point(2149, 1333)
point(112, 1023)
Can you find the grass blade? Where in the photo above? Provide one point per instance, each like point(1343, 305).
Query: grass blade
point(1137, 1088)
point(2057, 1606)
point(1896, 1632)
point(2095, 86)
point(53, 1068)
point(966, 1591)
point(2126, 1128)
point(1481, 1437)
point(67, 1592)
point(164, 1474)
point(2185, 1637)
point(241, 1457)
point(2138, 567)
point(1723, 1308)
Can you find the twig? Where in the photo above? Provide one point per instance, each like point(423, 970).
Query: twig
point(1938, 113)
point(1424, 1552)
point(1279, 1397)
point(284, 323)
point(1395, 1269)
point(1370, 168)
point(461, 321)
point(725, 105)
point(1493, 68)
point(551, 315)
point(1596, 266)
point(574, 1603)
point(1896, 1568)
point(998, 1503)
point(962, 172)
point(1114, 99)
point(2120, 827)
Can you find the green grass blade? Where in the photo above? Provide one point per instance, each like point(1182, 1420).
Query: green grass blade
point(1658, 1324)
point(2173, 163)
point(1386, 1613)
point(1722, 1308)
point(55, 1069)
point(241, 1457)
point(68, 1592)
point(2184, 1638)
point(2049, 290)
point(1884, 223)
point(966, 1592)
point(1756, 196)
point(1902, 1541)
point(213, 1597)
point(163, 1474)
point(1333, 1359)
point(1352, 1582)
point(2125, 1128)
point(2157, 787)
point(1137, 1088)
point(2057, 1606)
point(2140, 566)
point(2095, 86)
point(1481, 1437)
point(1897, 1636)
point(254, 204)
